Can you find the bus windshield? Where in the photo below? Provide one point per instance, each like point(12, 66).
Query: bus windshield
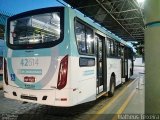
point(35, 29)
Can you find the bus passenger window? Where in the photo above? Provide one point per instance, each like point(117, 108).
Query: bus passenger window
point(112, 48)
point(108, 47)
point(130, 54)
point(90, 41)
point(119, 50)
point(84, 36)
point(80, 35)
point(122, 52)
point(116, 49)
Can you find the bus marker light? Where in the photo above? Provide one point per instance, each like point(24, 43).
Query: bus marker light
point(62, 75)
point(63, 99)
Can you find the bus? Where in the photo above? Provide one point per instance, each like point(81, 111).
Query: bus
point(1, 58)
point(56, 56)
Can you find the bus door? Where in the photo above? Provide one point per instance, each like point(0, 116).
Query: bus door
point(124, 63)
point(101, 64)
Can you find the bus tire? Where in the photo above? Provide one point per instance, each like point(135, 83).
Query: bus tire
point(112, 87)
point(126, 78)
point(130, 74)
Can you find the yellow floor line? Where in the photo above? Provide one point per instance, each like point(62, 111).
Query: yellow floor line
point(135, 80)
point(122, 108)
point(101, 111)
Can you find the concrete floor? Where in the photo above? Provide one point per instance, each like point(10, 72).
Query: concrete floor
point(137, 103)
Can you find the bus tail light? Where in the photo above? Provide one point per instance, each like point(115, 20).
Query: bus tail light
point(5, 72)
point(62, 75)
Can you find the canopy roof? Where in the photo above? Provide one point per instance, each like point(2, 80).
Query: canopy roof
point(122, 17)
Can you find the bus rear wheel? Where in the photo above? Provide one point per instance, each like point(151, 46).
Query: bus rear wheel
point(126, 78)
point(112, 87)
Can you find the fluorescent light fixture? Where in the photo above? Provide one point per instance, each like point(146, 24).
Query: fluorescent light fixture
point(140, 1)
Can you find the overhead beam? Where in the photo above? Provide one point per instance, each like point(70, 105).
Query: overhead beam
point(130, 18)
point(129, 24)
point(138, 34)
point(113, 17)
point(131, 10)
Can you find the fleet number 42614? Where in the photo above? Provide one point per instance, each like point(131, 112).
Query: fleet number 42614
point(29, 62)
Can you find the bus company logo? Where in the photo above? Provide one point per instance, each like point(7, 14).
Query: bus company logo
point(29, 79)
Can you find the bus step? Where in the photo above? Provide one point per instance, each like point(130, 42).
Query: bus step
point(101, 94)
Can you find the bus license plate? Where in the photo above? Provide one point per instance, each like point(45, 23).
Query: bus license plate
point(29, 79)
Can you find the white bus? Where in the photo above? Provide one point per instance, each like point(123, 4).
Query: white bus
point(1, 58)
point(56, 56)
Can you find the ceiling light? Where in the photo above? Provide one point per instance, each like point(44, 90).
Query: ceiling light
point(140, 1)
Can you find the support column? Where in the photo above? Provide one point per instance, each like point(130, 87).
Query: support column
point(152, 57)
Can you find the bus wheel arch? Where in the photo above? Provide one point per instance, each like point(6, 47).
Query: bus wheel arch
point(112, 84)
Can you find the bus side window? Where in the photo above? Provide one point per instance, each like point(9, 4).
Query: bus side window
point(122, 51)
point(126, 52)
point(108, 47)
point(119, 50)
point(89, 41)
point(80, 36)
point(116, 49)
point(84, 37)
point(112, 48)
point(130, 54)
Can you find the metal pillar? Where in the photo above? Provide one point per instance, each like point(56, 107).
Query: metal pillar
point(152, 57)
